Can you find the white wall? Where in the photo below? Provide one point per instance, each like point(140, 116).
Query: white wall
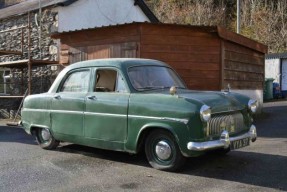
point(85, 14)
point(272, 69)
point(284, 75)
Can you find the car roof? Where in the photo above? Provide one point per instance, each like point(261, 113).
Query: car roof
point(116, 62)
point(121, 63)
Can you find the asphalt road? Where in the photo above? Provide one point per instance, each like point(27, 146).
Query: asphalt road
point(24, 166)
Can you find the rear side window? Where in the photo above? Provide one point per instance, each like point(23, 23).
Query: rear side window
point(109, 80)
point(77, 82)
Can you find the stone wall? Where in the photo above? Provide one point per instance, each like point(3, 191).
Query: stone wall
point(42, 48)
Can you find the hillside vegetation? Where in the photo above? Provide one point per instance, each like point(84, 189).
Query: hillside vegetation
point(262, 20)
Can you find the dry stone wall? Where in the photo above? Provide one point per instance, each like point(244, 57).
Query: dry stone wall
point(42, 48)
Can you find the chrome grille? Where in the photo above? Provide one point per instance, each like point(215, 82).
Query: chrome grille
point(230, 122)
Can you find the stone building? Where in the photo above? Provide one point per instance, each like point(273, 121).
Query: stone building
point(44, 17)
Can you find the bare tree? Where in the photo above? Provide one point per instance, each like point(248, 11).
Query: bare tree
point(264, 21)
point(194, 12)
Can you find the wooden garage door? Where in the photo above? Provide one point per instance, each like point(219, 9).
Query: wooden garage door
point(122, 50)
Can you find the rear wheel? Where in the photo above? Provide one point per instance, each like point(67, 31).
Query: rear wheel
point(162, 151)
point(45, 139)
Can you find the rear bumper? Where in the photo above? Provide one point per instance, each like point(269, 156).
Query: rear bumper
point(223, 142)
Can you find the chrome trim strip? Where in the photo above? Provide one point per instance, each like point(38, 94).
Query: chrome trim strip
point(230, 111)
point(70, 112)
point(223, 142)
point(185, 121)
point(145, 117)
point(54, 111)
point(75, 112)
point(37, 110)
point(104, 114)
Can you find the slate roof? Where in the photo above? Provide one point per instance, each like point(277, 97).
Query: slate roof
point(31, 5)
point(276, 56)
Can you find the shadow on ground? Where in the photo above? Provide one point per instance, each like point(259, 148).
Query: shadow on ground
point(250, 168)
point(138, 159)
point(272, 123)
point(15, 134)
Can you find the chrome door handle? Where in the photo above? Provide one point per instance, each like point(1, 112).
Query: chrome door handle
point(92, 97)
point(57, 97)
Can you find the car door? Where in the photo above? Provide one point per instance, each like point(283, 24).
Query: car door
point(68, 104)
point(107, 107)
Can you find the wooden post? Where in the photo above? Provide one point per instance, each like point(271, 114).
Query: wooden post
point(22, 81)
point(22, 41)
point(29, 55)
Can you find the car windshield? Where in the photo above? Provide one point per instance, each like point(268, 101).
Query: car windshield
point(153, 77)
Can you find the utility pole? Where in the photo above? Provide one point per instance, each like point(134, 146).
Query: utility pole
point(238, 17)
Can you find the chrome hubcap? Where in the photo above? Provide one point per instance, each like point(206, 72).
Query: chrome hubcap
point(45, 133)
point(163, 150)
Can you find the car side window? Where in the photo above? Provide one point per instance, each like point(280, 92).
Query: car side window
point(76, 82)
point(108, 80)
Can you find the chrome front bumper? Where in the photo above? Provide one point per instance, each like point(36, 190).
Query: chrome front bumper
point(223, 142)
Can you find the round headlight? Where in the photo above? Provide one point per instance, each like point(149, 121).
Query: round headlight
point(205, 113)
point(252, 105)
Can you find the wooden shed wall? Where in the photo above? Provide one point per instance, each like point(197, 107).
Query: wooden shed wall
point(100, 43)
point(194, 54)
point(206, 58)
point(243, 68)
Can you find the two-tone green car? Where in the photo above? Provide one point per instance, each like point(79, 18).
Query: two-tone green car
point(138, 104)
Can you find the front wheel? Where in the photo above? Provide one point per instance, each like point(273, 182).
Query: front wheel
point(162, 151)
point(45, 139)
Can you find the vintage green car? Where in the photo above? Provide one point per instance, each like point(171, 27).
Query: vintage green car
point(138, 104)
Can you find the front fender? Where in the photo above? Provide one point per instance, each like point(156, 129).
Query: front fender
point(164, 126)
point(137, 136)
